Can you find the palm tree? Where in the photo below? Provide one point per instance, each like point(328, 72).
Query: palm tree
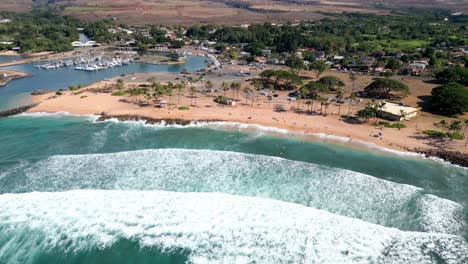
point(340, 97)
point(193, 90)
point(180, 89)
point(247, 90)
point(120, 84)
point(224, 87)
point(442, 125)
point(326, 104)
point(402, 114)
point(464, 130)
point(455, 126)
point(353, 76)
point(235, 86)
point(209, 85)
point(308, 103)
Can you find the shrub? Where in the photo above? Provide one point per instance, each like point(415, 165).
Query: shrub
point(389, 125)
point(435, 133)
point(455, 135)
point(119, 93)
point(398, 125)
point(184, 108)
point(83, 96)
point(58, 93)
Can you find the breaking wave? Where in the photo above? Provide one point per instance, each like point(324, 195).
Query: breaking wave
point(209, 227)
point(335, 190)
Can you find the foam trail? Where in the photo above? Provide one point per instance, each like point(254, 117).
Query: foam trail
point(338, 191)
point(213, 227)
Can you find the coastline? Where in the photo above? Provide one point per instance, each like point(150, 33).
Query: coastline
point(450, 157)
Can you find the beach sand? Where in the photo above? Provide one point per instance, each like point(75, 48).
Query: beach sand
point(261, 113)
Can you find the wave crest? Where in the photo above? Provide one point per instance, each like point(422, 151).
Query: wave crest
point(213, 227)
point(338, 191)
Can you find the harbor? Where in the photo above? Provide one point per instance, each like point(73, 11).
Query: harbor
point(87, 63)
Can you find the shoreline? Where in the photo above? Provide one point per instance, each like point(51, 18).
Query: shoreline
point(450, 157)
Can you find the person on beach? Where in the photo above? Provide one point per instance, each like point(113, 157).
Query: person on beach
point(380, 135)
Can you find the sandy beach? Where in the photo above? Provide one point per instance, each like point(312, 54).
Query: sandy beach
point(278, 113)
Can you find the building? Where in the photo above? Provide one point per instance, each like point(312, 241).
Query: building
point(79, 44)
point(397, 112)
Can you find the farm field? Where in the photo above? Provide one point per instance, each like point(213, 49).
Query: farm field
point(227, 12)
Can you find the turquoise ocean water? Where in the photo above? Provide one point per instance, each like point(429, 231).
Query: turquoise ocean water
point(73, 190)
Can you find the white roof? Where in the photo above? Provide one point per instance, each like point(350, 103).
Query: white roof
point(394, 109)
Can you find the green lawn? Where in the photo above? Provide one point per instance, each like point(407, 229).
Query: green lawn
point(83, 9)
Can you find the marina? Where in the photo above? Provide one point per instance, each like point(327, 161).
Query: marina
point(87, 63)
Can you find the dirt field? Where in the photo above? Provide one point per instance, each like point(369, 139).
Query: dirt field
point(227, 12)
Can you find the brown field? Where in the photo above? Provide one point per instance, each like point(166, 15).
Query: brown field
point(227, 12)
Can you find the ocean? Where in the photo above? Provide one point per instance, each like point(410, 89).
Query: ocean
point(79, 191)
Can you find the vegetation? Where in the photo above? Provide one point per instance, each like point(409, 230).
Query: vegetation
point(382, 87)
point(453, 74)
point(119, 93)
point(390, 125)
point(184, 108)
point(39, 31)
point(333, 83)
point(439, 134)
point(281, 79)
point(351, 32)
point(450, 99)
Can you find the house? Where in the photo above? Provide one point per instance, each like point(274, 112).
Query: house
point(397, 112)
point(261, 59)
point(416, 68)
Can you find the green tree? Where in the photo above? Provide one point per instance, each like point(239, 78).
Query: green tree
point(383, 87)
point(209, 85)
point(295, 64)
point(120, 84)
point(333, 83)
point(225, 88)
point(450, 99)
point(453, 74)
point(318, 67)
point(193, 90)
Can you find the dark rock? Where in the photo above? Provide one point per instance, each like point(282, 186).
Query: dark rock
point(16, 111)
point(41, 92)
point(454, 157)
point(165, 121)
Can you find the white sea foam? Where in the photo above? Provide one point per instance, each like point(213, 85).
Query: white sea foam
point(60, 114)
point(212, 227)
point(244, 127)
point(339, 191)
